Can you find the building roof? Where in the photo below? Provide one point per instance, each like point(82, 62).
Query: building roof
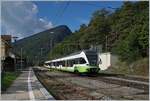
point(6, 37)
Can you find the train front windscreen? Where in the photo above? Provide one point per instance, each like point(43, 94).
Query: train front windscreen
point(92, 58)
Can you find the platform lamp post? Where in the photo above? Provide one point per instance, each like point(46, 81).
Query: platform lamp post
point(36, 61)
point(15, 39)
point(51, 41)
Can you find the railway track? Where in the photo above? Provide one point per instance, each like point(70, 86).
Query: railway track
point(124, 82)
point(120, 79)
point(65, 91)
point(129, 77)
point(82, 92)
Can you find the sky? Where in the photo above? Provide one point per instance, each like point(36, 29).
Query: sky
point(25, 18)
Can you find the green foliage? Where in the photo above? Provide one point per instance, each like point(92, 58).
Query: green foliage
point(136, 66)
point(130, 22)
point(133, 41)
point(128, 48)
point(8, 78)
point(139, 67)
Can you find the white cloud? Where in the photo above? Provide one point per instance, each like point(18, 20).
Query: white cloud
point(34, 8)
point(48, 25)
point(19, 18)
point(45, 23)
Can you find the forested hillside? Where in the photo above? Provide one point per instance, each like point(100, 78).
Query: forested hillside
point(127, 26)
point(37, 47)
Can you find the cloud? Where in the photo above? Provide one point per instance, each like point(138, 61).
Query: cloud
point(19, 18)
point(45, 23)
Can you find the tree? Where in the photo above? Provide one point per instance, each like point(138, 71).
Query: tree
point(130, 22)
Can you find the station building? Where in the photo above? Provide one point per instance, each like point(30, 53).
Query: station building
point(10, 61)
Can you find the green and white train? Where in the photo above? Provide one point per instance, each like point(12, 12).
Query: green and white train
point(85, 61)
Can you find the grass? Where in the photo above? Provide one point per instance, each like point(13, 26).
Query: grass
point(139, 67)
point(7, 80)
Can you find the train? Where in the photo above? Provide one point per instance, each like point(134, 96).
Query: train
point(85, 61)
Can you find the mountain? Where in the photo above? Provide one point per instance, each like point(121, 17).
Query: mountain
point(37, 46)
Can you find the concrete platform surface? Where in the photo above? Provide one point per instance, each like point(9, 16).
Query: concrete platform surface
point(26, 87)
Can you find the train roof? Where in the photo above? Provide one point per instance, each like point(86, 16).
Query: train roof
point(74, 55)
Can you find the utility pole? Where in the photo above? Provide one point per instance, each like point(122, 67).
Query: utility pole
point(51, 44)
point(27, 61)
point(21, 58)
point(106, 44)
point(41, 51)
point(41, 55)
point(36, 60)
point(51, 41)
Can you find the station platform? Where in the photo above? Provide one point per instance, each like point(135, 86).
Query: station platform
point(26, 87)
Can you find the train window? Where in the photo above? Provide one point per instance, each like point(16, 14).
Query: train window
point(71, 63)
point(82, 61)
point(63, 63)
point(67, 63)
point(48, 64)
point(57, 63)
point(52, 64)
point(92, 58)
point(100, 61)
point(60, 63)
point(77, 61)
